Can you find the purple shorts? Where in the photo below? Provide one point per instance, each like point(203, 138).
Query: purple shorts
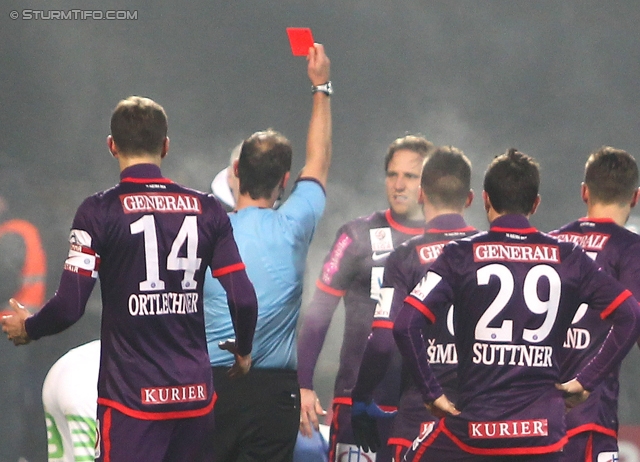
point(126, 439)
point(438, 446)
point(590, 447)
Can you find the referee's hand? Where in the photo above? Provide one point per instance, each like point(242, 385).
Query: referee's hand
point(242, 364)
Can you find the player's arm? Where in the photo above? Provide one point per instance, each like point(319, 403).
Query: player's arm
point(313, 332)
point(616, 305)
point(380, 345)
point(377, 355)
point(630, 271)
point(427, 300)
point(68, 304)
point(339, 269)
point(319, 135)
point(228, 268)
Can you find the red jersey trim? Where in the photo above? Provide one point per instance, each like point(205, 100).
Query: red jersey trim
point(443, 231)
point(421, 308)
point(592, 427)
point(517, 451)
point(405, 443)
point(228, 269)
point(143, 415)
point(106, 435)
point(330, 290)
point(423, 446)
point(403, 229)
point(382, 324)
point(615, 304)
point(346, 401)
point(146, 180)
point(514, 230)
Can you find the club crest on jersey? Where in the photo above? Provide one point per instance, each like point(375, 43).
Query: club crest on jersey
point(352, 453)
point(160, 202)
point(381, 240)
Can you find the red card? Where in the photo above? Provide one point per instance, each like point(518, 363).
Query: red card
point(300, 39)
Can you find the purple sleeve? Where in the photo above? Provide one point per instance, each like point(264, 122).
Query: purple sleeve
point(407, 331)
point(64, 308)
point(381, 346)
point(623, 334)
point(243, 307)
point(375, 362)
point(313, 331)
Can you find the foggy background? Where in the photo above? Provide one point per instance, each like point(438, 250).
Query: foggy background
point(556, 79)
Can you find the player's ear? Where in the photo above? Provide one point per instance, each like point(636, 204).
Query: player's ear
point(113, 149)
point(634, 199)
point(285, 180)
point(536, 203)
point(584, 193)
point(486, 201)
point(470, 197)
point(234, 168)
point(420, 196)
point(165, 147)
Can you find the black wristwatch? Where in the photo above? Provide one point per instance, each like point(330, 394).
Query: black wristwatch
point(325, 88)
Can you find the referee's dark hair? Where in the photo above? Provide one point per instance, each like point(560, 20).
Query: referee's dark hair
point(264, 160)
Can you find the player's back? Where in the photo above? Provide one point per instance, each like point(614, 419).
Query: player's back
point(616, 250)
point(154, 240)
point(515, 292)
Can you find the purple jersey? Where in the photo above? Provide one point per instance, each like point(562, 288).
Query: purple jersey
point(515, 292)
point(617, 251)
point(354, 269)
point(150, 241)
point(402, 272)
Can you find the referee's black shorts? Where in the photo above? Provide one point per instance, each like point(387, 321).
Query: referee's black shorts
point(256, 416)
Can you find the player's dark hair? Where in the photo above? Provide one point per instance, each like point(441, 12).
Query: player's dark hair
point(417, 144)
point(139, 125)
point(611, 175)
point(512, 181)
point(265, 157)
point(446, 177)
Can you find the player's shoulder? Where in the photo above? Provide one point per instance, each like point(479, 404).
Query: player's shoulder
point(360, 226)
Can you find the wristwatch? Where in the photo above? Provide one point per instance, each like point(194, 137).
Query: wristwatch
point(325, 88)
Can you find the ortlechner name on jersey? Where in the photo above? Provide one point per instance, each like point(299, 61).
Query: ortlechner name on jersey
point(495, 251)
point(163, 303)
point(160, 202)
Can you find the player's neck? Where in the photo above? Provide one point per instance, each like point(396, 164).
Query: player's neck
point(125, 162)
point(619, 214)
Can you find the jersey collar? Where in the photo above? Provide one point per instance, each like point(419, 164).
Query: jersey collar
point(414, 227)
point(448, 223)
point(512, 223)
point(143, 173)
